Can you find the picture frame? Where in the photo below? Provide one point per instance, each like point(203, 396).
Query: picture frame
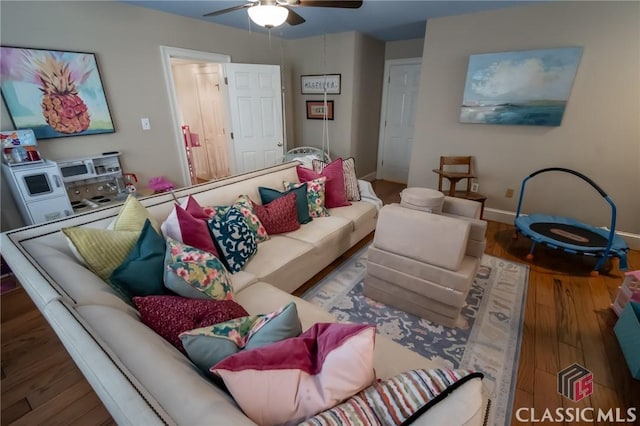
point(315, 110)
point(316, 84)
point(526, 87)
point(57, 93)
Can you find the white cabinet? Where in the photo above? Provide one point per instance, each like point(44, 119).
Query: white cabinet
point(49, 209)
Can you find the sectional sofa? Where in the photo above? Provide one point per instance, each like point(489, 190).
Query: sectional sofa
point(140, 377)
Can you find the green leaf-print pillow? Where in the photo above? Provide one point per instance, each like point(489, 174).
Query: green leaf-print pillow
point(207, 346)
point(195, 273)
point(315, 195)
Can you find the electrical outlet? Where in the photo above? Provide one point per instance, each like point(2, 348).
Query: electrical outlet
point(146, 125)
point(475, 186)
point(509, 193)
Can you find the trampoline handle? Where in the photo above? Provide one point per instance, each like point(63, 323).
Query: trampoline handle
point(573, 172)
point(612, 225)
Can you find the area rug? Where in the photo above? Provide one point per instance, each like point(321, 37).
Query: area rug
point(488, 339)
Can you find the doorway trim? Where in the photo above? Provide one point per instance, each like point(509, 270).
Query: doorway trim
point(167, 53)
point(383, 109)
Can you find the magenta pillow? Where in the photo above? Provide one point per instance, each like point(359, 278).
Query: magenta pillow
point(280, 215)
point(335, 191)
point(182, 226)
point(195, 209)
point(171, 315)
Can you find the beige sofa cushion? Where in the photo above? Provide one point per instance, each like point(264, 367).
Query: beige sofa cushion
point(426, 237)
point(323, 231)
point(281, 260)
point(359, 213)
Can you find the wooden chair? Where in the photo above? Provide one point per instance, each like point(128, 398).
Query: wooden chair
point(455, 169)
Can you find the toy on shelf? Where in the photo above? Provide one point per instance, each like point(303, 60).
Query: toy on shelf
point(160, 184)
point(629, 290)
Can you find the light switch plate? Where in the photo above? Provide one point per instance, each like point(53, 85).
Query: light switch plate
point(146, 125)
point(475, 186)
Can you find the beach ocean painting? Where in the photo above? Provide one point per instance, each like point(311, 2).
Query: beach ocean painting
point(529, 87)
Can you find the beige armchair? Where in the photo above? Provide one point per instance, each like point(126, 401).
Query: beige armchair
point(424, 263)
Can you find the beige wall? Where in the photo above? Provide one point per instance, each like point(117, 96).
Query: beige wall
point(307, 57)
point(600, 132)
point(126, 40)
point(402, 49)
point(360, 61)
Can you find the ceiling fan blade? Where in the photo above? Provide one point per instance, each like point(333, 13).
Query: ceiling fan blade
point(230, 9)
point(345, 4)
point(294, 18)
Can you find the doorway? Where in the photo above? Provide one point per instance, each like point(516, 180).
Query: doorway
point(199, 94)
point(191, 78)
point(397, 118)
point(228, 118)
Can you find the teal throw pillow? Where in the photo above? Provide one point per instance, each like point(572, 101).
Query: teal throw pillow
point(236, 241)
point(209, 345)
point(140, 274)
point(267, 195)
point(194, 273)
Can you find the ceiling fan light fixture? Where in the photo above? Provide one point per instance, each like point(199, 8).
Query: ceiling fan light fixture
point(268, 16)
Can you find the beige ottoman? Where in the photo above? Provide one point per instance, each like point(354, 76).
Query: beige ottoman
point(418, 263)
point(424, 199)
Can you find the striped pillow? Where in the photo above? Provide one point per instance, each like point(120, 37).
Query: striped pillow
point(350, 178)
point(378, 404)
point(100, 249)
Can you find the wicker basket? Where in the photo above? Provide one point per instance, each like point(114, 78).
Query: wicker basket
point(303, 151)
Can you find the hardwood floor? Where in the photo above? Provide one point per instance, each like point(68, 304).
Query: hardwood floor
point(40, 383)
point(567, 320)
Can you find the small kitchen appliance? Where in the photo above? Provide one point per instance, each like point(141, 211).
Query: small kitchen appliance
point(93, 181)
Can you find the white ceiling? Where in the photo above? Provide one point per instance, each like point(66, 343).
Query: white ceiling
point(386, 20)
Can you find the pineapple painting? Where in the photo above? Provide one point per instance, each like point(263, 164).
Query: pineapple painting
point(63, 109)
point(55, 93)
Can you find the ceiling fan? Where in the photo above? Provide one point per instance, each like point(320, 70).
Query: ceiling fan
point(271, 13)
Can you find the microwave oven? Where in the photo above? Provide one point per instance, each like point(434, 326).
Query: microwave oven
point(77, 170)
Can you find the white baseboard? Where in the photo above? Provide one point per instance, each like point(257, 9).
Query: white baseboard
point(371, 176)
point(504, 216)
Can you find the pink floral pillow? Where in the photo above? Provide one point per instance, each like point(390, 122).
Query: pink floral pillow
point(171, 315)
point(194, 273)
point(335, 191)
point(315, 195)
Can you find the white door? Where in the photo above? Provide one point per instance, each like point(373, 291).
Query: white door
point(400, 93)
point(255, 108)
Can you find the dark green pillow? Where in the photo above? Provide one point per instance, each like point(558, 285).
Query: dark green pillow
point(267, 195)
point(141, 273)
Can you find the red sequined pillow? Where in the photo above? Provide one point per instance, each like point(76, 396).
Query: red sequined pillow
point(171, 315)
point(280, 215)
